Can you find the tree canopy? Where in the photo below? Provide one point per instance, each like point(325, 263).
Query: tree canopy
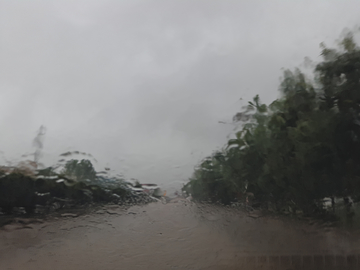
point(80, 170)
point(301, 148)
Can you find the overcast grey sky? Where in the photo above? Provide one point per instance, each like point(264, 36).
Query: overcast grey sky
point(141, 85)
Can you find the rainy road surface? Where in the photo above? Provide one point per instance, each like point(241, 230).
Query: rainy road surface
point(176, 235)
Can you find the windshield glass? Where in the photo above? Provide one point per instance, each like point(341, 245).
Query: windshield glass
point(179, 134)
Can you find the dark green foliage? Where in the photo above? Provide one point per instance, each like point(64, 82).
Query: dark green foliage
point(122, 192)
point(72, 185)
point(80, 170)
point(301, 148)
point(17, 190)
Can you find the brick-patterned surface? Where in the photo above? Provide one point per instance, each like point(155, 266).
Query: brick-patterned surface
point(299, 262)
point(352, 262)
point(296, 262)
point(308, 262)
point(262, 262)
point(285, 261)
point(329, 262)
point(251, 262)
point(340, 261)
point(319, 262)
point(274, 262)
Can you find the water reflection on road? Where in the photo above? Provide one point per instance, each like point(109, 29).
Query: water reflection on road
point(176, 235)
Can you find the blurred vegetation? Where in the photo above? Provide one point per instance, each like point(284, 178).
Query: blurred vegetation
point(76, 184)
point(79, 170)
point(301, 148)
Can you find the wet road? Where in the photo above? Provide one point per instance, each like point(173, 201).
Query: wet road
point(176, 235)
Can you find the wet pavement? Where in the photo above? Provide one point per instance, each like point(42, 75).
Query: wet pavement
point(176, 235)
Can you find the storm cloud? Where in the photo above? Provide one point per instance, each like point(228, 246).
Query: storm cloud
point(142, 85)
